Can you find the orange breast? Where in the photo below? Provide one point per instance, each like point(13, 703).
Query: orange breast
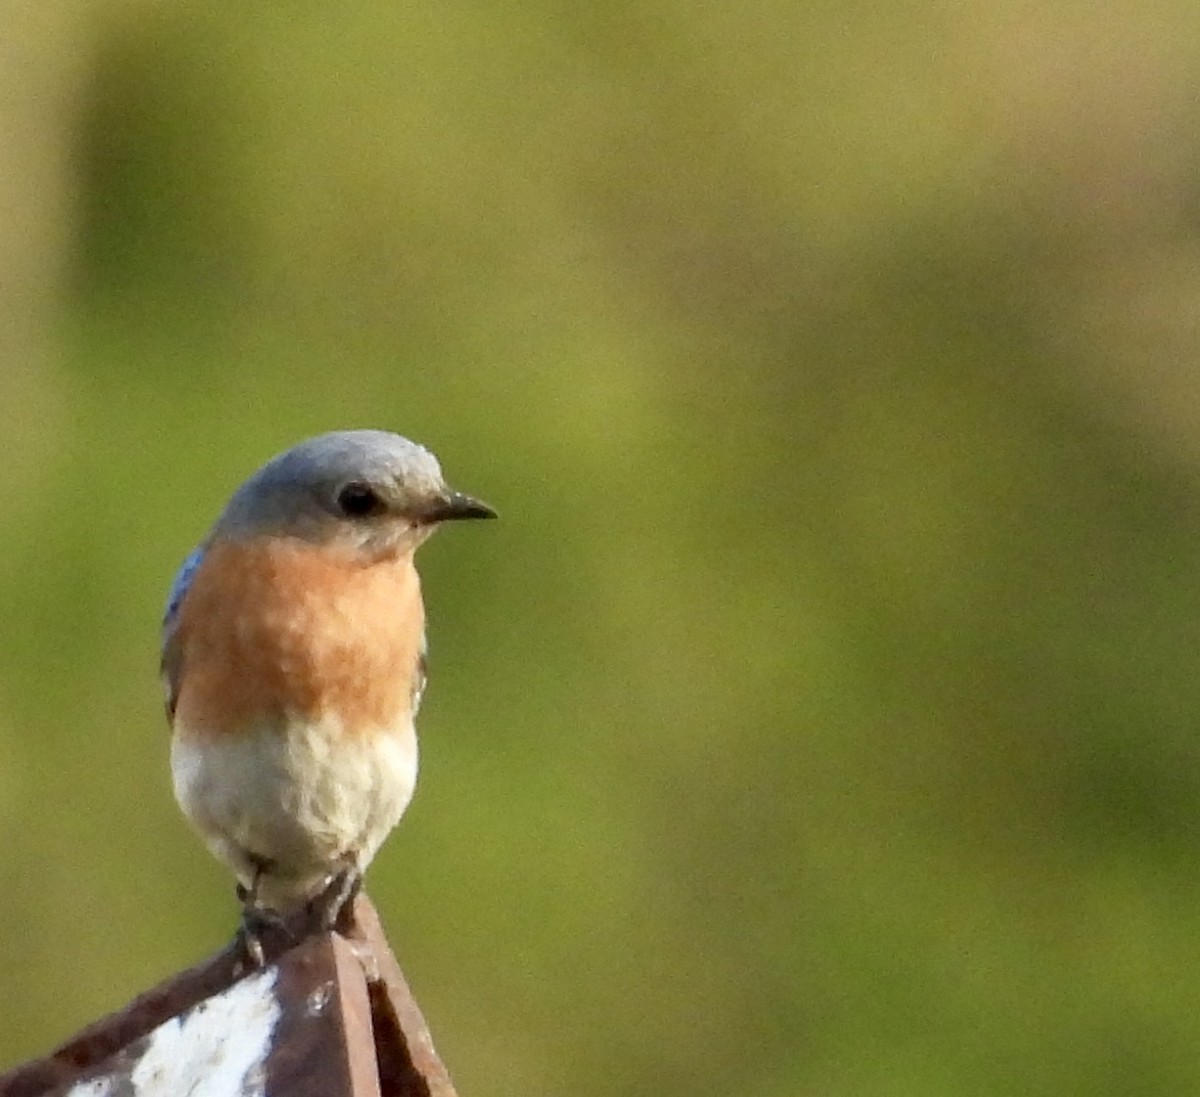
point(272, 629)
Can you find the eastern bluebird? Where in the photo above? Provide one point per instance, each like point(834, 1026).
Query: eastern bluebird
point(294, 661)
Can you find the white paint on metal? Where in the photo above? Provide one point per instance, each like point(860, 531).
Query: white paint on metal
point(93, 1087)
point(316, 1002)
point(218, 1048)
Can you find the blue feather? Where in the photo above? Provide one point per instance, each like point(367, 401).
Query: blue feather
point(179, 588)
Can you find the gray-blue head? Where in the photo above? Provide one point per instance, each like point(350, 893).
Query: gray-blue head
point(359, 488)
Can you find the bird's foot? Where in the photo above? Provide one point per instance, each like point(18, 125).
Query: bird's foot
point(331, 906)
point(257, 924)
point(264, 927)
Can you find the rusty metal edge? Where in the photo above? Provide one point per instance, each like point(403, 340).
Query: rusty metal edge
point(105, 1037)
point(406, 1060)
point(358, 1030)
point(323, 1044)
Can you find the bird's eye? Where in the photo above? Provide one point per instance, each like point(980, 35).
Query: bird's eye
point(359, 501)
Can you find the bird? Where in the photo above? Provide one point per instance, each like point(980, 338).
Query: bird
point(293, 666)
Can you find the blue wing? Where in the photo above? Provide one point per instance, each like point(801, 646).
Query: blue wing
point(170, 649)
point(179, 588)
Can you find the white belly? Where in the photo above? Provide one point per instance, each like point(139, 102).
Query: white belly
point(303, 802)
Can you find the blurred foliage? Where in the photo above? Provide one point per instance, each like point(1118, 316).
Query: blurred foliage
point(822, 717)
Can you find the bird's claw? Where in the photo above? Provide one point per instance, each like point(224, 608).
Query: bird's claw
point(257, 923)
point(329, 907)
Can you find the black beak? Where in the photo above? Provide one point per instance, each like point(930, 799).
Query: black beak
point(455, 507)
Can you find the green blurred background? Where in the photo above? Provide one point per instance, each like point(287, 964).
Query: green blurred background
point(822, 718)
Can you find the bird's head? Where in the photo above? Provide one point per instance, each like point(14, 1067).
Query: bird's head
point(360, 490)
